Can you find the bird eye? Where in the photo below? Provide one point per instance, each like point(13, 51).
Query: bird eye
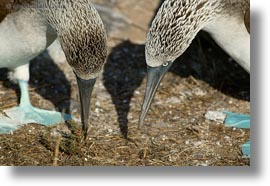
point(165, 64)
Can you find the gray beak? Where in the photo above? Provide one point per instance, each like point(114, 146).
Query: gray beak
point(85, 91)
point(154, 77)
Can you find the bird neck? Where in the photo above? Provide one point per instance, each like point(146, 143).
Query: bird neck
point(176, 25)
point(231, 35)
point(229, 29)
point(81, 33)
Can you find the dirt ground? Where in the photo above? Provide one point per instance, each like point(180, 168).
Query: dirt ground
point(176, 134)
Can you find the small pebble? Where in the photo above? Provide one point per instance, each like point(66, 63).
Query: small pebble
point(198, 143)
point(204, 165)
point(97, 110)
point(227, 138)
point(215, 116)
point(199, 92)
point(173, 100)
point(164, 137)
point(97, 104)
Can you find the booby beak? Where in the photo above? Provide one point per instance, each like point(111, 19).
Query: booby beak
point(154, 77)
point(85, 91)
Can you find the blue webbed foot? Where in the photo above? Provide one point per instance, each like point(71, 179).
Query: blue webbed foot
point(19, 116)
point(25, 113)
point(246, 149)
point(31, 114)
point(239, 121)
point(7, 125)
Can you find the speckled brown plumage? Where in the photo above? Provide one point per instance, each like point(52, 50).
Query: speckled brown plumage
point(83, 40)
point(247, 20)
point(9, 6)
point(30, 26)
point(81, 32)
point(177, 23)
point(5, 8)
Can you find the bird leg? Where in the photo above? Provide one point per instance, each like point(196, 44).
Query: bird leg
point(25, 113)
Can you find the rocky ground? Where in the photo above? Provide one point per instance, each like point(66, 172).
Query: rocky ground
point(177, 133)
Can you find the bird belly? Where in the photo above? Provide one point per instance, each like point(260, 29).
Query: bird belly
point(232, 36)
point(23, 35)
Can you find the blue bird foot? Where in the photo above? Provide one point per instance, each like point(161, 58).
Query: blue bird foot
point(25, 113)
point(7, 125)
point(246, 149)
point(19, 116)
point(239, 121)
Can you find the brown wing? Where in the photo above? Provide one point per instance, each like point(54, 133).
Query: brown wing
point(247, 20)
point(5, 8)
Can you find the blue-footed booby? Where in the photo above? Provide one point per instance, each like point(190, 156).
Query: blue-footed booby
point(175, 26)
point(28, 27)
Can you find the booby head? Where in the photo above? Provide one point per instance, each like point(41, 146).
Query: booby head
point(86, 53)
point(83, 38)
point(36, 24)
point(167, 40)
point(172, 31)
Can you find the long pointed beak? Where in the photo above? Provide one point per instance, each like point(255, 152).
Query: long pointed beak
point(154, 77)
point(85, 91)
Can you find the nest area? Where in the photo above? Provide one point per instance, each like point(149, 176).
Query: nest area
point(176, 133)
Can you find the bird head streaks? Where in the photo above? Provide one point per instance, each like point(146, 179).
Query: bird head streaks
point(83, 38)
point(177, 23)
point(173, 29)
point(81, 33)
point(4, 8)
point(78, 26)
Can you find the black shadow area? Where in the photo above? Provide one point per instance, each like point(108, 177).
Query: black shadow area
point(123, 74)
point(206, 61)
point(48, 80)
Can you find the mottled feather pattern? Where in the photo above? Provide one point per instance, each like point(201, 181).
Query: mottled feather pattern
point(163, 41)
point(9, 6)
point(81, 32)
point(233, 7)
point(176, 19)
point(5, 8)
point(78, 26)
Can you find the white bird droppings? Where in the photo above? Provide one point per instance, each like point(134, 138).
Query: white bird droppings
point(215, 116)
